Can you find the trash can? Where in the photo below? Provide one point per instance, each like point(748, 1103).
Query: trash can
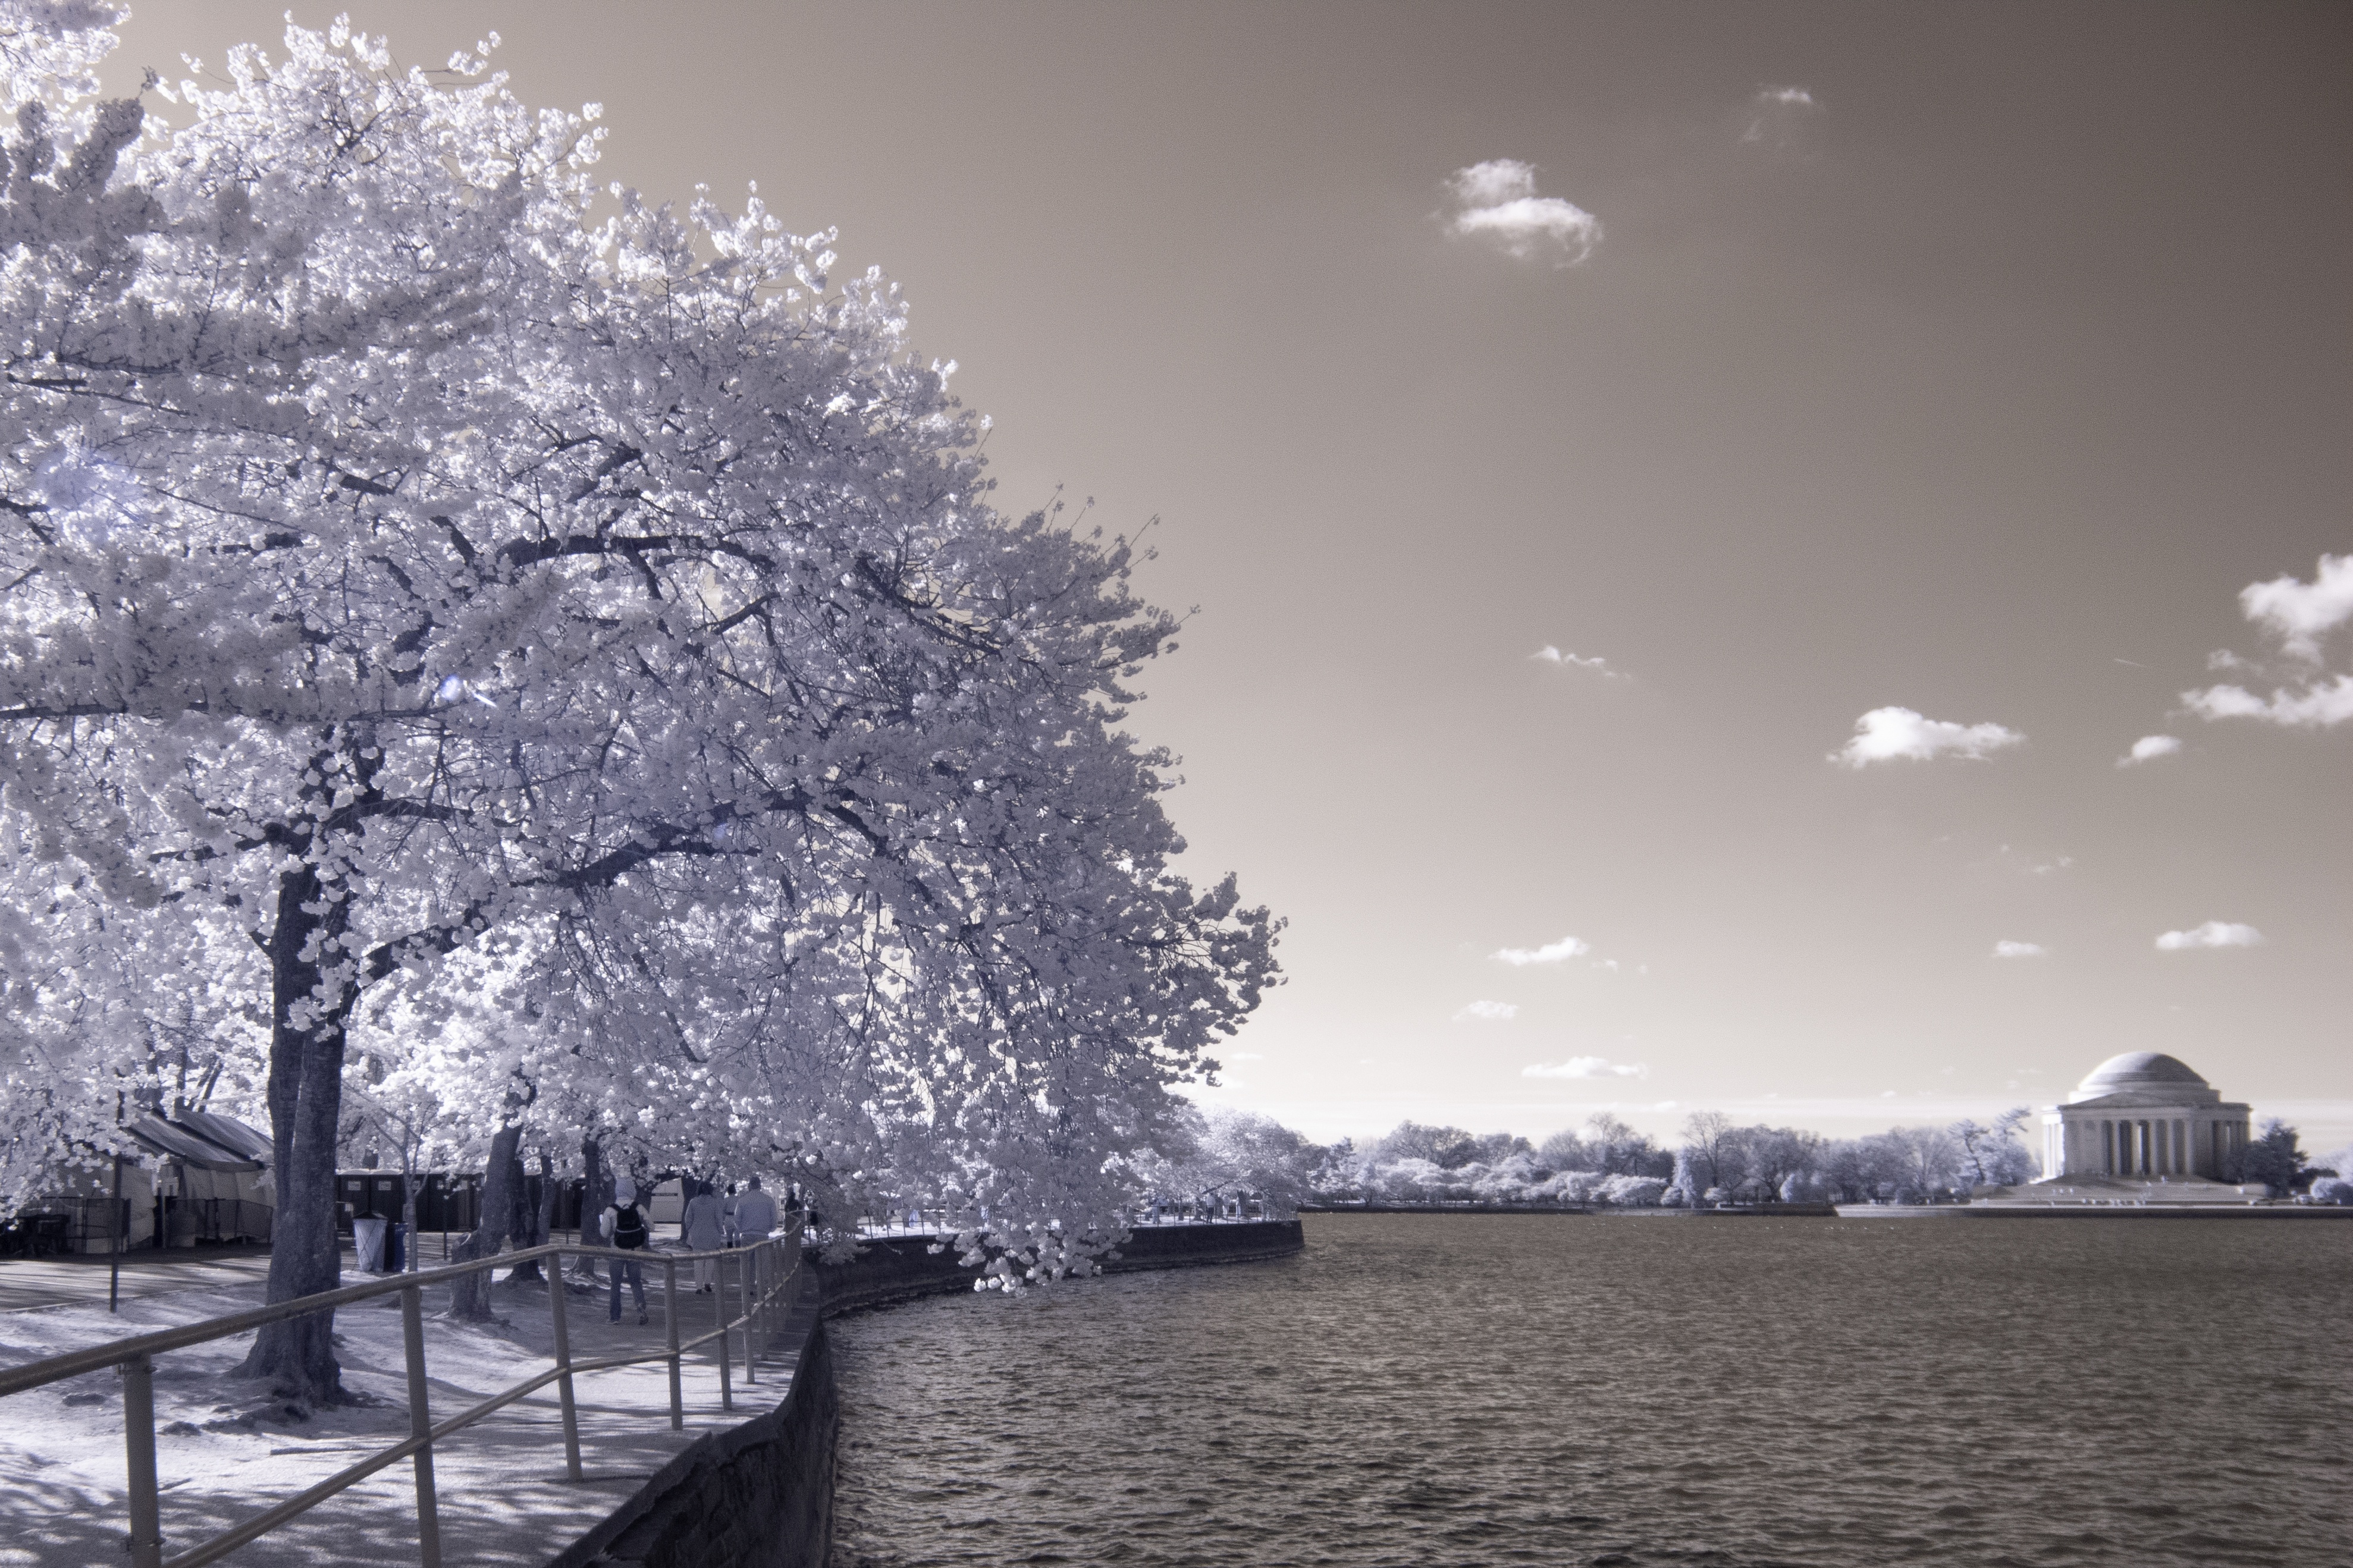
point(395, 1248)
point(367, 1238)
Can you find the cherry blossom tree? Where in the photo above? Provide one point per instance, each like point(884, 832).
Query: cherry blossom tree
point(399, 560)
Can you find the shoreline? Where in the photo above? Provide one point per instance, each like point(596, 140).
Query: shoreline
point(760, 1494)
point(1646, 1211)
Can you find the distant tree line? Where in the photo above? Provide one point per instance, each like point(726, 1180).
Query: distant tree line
point(1230, 1162)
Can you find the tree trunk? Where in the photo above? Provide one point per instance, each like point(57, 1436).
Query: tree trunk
point(524, 1226)
point(305, 1097)
point(407, 1200)
point(592, 1198)
point(470, 1297)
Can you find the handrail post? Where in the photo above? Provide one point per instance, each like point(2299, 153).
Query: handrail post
point(670, 1319)
point(139, 1445)
point(420, 1426)
point(719, 1304)
point(564, 1367)
point(747, 1279)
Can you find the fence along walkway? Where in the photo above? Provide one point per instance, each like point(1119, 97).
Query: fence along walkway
point(764, 1275)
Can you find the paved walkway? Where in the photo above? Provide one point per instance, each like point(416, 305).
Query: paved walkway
point(223, 1454)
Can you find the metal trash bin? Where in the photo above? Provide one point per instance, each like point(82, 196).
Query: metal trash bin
point(367, 1239)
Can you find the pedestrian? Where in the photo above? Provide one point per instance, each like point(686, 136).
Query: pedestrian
point(625, 1228)
point(727, 1227)
point(755, 1213)
point(701, 1230)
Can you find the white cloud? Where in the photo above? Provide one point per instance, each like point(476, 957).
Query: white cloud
point(2317, 707)
point(1559, 952)
point(1553, 655)
point(1884, 734)
point(1496, 203)
point(1776, 115)
point(2148, 749)
point(2213, 934)
point(1586, 1067)
point(2007, 949)
point(2297, 615)
point(1490, 1012)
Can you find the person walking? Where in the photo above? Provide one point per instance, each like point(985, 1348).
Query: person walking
point(755, 1213)
point(703, 1230)
point(727, 1213)
point(625, 1228)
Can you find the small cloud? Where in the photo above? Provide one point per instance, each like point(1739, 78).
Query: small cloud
point(2058, 864)
point(1777, 117)
point(1559, 952)
point(2317, 707)
point(2007, 949)
point(1887, 1094)
point(1489, 1012)
point(1885, 734)
point(2148, 749)
point(1553, 655)
point(2213, 934)
point(1586, 1067)
point(1496, 203)
point(2298, 616)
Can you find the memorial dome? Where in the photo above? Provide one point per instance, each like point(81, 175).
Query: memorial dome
point(2146, 1118)
point(2144, 1075)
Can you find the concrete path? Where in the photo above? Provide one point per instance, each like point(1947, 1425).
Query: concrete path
point(224, 1455)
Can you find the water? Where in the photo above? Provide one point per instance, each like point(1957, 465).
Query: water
point(1434, 1390)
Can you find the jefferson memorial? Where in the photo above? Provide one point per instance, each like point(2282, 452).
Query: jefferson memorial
point(2142, 1117)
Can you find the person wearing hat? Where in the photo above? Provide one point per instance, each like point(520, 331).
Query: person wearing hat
point(626, 1229)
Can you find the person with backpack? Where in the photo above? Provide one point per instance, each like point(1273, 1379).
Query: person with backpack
point(626, 1229)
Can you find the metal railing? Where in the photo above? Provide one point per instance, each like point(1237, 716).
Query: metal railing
point(760, 1287)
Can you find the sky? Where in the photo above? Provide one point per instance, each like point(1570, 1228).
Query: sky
point(1721, 538)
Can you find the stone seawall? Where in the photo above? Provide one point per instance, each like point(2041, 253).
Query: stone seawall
point(760, 1495)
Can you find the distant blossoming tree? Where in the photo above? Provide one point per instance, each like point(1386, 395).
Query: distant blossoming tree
point(1993, 1155)
point(395, 559)
point(1221, 1153)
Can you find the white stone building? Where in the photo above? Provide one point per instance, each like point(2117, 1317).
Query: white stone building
point(2142, 1117)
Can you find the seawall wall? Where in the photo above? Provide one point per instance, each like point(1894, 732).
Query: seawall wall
point(760, 1495)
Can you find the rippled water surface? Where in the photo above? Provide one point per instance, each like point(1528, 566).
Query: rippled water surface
point(1496, 1389)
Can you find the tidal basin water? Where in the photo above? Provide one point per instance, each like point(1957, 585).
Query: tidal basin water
point(1483, 1389)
